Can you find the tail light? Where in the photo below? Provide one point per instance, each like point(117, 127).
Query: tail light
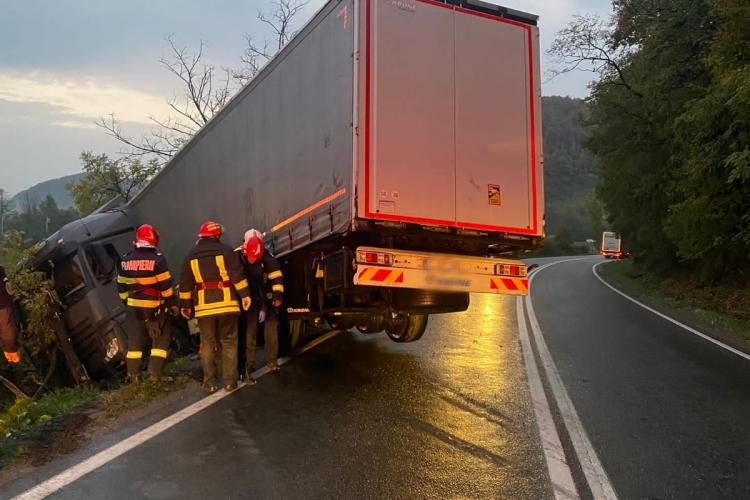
point(377, 258)
point(510, 270)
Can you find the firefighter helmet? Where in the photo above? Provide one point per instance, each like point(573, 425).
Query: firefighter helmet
point(254, 247)
point(148, 234)
point(210, 229)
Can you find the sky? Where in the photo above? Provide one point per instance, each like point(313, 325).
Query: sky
point(66, 63)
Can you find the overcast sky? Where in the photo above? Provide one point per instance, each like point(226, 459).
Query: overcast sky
point(65, 63)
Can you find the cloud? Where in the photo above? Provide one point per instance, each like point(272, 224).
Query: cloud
point(83, 99)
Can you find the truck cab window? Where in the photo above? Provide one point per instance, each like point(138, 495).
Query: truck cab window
point(102, 259)
point(69, 280)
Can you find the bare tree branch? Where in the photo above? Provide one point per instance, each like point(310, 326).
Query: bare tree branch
point(204, 89)
point(586, 44)
point(281, 23)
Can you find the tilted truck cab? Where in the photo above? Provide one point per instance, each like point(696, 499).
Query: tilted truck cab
point(82, 259)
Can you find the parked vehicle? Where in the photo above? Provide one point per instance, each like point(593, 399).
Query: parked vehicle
point(391, 152)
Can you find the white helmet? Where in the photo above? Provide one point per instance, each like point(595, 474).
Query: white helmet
point(250, 233)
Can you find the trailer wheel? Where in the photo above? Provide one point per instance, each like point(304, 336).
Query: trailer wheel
point(404, 328)
point(373, 324)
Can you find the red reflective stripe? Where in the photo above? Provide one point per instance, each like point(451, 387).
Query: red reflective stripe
point(509, 284)
point(493, 284)
point(362, 273)
point(381, 275)
point(400, 278)
point(213, 285)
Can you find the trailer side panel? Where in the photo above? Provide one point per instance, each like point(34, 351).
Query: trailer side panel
point(278, 157)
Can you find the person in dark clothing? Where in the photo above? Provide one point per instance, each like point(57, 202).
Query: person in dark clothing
point(145, 286)
point(267, 291)
point(210, 283)
point(8, 324)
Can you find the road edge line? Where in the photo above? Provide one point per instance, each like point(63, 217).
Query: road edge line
point(668, 318)
point(561, 477)
point(596, 476)
point(72, 474)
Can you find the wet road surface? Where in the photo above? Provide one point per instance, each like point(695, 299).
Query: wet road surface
point(359, 416)
point(665, 411)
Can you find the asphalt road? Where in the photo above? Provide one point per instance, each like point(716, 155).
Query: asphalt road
point(359, 416)
point(452, 415)
point(666, 411)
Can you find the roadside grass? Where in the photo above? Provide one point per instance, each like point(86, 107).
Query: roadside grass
point(129, 396)
point(27, 424)
point(721, 308)
point(26, 420)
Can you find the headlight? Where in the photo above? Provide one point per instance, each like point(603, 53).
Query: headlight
point(113, 347)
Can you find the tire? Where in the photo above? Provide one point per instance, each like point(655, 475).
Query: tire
point(374, 324)
point(403, 328)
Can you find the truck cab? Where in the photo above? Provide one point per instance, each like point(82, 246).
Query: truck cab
point(82, 260)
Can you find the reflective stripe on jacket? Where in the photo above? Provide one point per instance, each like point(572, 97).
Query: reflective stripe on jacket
point(212, 279)
point(143, 279)
point(265, 276)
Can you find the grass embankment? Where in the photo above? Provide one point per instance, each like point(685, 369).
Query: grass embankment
point(55, 422)
point(721, 311)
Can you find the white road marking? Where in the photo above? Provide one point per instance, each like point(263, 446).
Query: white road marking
point(561, 477)
point(64, 478)
point(671, 320)
point(596, 476)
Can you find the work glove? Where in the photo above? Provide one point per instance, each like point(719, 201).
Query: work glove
point(261, 316)
point(174, 311)
point(185, 311)
point(13, 357)
point(246, 302)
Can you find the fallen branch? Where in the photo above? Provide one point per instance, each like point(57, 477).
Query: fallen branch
point(13, 388)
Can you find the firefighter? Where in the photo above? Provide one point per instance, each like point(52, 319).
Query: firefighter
point(145, 285)
point(8, 325)
point(210, 283)
point(267, 291)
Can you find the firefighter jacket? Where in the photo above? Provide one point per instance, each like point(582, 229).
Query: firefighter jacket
point(143, 280)
point(211, 280)
point(265, 277)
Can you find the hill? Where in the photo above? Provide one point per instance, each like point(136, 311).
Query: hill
point(54, 187)
point(570, 170)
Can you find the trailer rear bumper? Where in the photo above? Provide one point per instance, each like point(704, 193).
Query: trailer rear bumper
point(391, 268)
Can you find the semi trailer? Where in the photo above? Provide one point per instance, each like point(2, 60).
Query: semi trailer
point(391, 154)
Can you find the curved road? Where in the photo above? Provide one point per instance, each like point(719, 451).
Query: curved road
point(452, 415)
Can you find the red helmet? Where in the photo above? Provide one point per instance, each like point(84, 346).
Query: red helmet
point(210, 229)
point(254, 247)
point(148, 234)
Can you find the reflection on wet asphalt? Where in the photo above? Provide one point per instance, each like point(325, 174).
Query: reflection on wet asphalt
point(448, 416)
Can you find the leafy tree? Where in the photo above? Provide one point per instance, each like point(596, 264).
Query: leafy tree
point(669, 112)
point(107, 179)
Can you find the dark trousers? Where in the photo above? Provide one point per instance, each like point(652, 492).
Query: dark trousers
point(8, 330)
point(160, 334)
point(270, 332)
point(219, 333)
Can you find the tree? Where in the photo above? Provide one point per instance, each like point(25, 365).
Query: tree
point(205, 89)
point(107, 179)
point(281, 22)
point(6, 210)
